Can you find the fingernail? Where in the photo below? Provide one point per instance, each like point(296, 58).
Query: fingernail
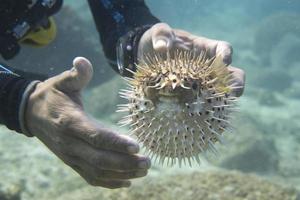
point(133, 149)
point(145, 164)
point(160, 44)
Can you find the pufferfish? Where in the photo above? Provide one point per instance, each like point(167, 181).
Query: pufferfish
point(179, 106)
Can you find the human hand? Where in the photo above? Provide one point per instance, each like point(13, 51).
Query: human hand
point(55, 115)
point(162, 38)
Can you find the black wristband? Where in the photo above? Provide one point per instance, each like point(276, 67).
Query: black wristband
point(12, 88)
point(127, 49)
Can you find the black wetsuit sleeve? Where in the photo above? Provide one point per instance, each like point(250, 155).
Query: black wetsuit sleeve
point(12, 87)
point(114, 18)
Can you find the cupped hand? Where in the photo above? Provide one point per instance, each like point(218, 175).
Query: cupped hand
point(162, 38)
point(55, 115)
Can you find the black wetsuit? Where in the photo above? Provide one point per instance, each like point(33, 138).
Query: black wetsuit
point(113, 18)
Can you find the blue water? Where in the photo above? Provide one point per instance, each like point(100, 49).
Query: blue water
point(265, 36)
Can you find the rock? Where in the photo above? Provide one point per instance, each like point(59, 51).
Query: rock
point(250, 148)
point(211, 185)
point(268, 98)
point(286, 53)
point(256, 155)
point(272, 30)
point(294, 91)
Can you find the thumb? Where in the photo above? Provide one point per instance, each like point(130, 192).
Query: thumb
point(162, 37)
point(77, 78)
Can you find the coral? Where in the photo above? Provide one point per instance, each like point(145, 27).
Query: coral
point(212, 185)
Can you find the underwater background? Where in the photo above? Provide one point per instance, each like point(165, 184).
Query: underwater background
point(261, 160)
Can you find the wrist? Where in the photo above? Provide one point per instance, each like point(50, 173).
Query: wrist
point(12, 88)
point(24, 108)
point(127, 50)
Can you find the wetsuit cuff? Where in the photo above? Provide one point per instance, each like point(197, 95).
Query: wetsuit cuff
point(22, 109)
point(12, 88)
point(127, 50)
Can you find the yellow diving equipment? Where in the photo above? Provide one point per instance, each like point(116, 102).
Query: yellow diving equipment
point(41, 36)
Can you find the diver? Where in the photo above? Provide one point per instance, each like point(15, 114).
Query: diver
point(52, 109)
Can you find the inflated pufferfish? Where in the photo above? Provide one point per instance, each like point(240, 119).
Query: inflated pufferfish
point(179, 106)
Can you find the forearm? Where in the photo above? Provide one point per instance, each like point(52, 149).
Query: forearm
point(12, 88)
point(114, 18)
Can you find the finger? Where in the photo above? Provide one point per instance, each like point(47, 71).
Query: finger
point(184, 35)
point(108, 174)
point(78, 165)
point(92, 132)
point(224, 49)
point(109, 160)
point(201, 44)
point(182, 44)
point(109, 140)
point(77, 78)
point(96, 181)
point(214, 48)
point(238, 81)
point(103, 159)
point(162, 37)
point(110, 184)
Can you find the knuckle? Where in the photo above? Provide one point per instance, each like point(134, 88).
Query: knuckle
point(110, 140)
point(225, 45)
point(227, 49)
point(163, 29)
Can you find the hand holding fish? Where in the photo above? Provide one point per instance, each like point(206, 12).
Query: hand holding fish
point(162, 38)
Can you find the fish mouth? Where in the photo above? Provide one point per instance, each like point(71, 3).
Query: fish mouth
point(165, 96)
point(169, 92)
